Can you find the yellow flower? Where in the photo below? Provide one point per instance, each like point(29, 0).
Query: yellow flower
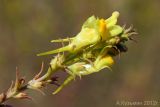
point(103, 30)
point(104, 62)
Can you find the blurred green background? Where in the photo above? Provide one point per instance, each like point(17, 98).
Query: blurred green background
point(27, 26)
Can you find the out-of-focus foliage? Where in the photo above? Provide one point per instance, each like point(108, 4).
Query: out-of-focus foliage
point(27, 26)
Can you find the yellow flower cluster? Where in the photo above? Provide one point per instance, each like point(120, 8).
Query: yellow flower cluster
point(93, 48)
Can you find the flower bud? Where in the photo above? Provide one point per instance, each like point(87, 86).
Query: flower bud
point(33, 84)
point(104, 62)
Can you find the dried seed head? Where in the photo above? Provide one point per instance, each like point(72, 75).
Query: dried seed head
point(22, 96)
point(2, 97)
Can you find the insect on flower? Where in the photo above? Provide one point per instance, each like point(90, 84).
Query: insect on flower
point(93, 48)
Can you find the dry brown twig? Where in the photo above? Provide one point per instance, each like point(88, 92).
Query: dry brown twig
point(17, 88)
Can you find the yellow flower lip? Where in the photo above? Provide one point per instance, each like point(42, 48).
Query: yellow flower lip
point(104, 33)
point(102, 28)
point(110, 60)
